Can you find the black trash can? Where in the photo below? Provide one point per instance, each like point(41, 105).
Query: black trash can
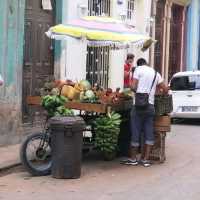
point(66, 140)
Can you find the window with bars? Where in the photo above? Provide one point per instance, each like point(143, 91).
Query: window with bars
point(130, 9)
point(99, 7)
point(97, 69)
point(98, 58)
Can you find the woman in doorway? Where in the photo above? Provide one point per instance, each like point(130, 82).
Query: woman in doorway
point(128, 70)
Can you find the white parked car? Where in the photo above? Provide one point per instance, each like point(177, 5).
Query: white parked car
point(185, 90)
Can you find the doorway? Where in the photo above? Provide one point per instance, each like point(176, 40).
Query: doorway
point(176, 36)
point(159, 24)
point(38, 52)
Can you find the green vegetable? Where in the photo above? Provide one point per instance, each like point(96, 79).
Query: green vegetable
point(55, 105)
point(88, 97)
point(90, 94)
point(85, 84)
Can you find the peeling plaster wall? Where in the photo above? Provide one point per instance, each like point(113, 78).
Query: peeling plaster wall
point(12, 130)
point(11, 60)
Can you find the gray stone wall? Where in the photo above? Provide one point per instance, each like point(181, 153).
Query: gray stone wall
point(12, 130)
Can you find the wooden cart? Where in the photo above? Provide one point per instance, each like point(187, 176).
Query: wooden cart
point(91, 110)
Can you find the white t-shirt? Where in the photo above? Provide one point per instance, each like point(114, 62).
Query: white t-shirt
point(145, 75)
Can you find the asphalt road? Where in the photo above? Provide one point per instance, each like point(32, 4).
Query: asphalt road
point(177, 178)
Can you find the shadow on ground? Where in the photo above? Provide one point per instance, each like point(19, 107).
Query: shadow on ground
point(193, 122)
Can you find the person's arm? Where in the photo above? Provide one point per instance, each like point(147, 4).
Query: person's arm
point(134, 83)
point(162, 88)
point(126, 72)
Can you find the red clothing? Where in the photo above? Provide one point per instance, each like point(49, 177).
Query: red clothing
point(127, 68)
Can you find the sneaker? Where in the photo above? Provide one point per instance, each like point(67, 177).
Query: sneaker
point(146, 163)
point(130, 162)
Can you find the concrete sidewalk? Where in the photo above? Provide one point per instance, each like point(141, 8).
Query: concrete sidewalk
point(9, 157)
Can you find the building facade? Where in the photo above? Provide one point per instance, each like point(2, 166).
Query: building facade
point(193, 36)
point(28, 57)
point(102, 65)
point(169, 29)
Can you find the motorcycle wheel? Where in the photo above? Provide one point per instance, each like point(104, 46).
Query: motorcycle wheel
point(35, 154)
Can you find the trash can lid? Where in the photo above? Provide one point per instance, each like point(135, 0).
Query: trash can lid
point(67, 122)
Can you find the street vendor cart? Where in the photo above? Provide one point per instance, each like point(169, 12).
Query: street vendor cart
point(110, 111)
point(91, 112)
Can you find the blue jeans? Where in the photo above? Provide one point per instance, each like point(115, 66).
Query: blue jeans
point(142, 121)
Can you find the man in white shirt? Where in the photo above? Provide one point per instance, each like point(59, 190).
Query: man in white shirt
point(145, 81)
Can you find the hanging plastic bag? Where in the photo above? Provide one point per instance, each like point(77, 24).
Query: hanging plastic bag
point(46, 5)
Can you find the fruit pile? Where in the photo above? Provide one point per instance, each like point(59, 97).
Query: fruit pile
point(83, 92)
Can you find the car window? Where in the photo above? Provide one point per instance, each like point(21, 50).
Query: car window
point(191, 82)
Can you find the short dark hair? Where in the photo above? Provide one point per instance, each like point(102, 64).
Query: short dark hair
point(141, 61)
point(130, 56)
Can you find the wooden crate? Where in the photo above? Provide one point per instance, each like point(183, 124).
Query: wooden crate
point(158, 151)
point(89, 107)
point(162, 124)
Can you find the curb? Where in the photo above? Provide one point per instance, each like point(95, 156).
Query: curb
point(9, 166)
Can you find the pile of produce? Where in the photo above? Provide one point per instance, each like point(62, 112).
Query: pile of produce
point(54, 105)
point(83, 92)
point(107, 129)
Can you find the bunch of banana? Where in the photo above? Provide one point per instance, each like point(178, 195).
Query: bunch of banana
point(107, 129)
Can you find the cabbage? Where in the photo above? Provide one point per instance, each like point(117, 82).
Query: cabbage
point(85, 84)
point(90, 94)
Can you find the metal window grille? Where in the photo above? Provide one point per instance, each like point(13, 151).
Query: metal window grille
point(99, 7)
point(130, 9)
point(97, 69)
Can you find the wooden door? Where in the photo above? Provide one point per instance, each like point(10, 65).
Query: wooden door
point(38, 51)
point(175, 40)
point(159, 20)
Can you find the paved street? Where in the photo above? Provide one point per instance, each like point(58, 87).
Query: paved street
point(177, 178)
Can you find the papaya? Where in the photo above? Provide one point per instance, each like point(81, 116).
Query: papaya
point(70, 92)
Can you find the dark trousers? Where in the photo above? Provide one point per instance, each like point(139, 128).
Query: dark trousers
point(142, 121)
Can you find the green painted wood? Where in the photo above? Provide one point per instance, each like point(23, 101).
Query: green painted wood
point(3, 25)
point(11, 44)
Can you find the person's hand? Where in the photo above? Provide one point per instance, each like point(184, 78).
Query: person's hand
point(1, 83)
point(163, 89)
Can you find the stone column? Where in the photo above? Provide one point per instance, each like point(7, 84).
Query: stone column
point(153, 31)
point(183, 40)
point(166, 42)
